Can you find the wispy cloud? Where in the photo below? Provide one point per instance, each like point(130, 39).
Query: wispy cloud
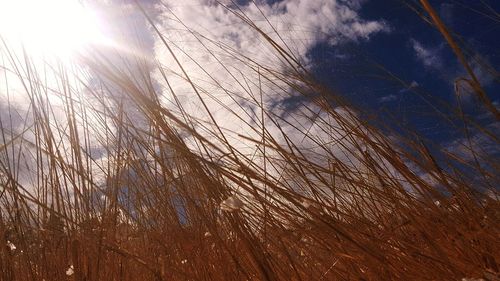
point(410, 87)
point(478, 147)
point(388, 98)
point(209, 39)
point(428, 56)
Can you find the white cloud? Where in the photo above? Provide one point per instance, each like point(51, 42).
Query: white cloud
point(300, 23)
point(210, 41)
point(429, 57)
point(413, 85)
point(479, 146)
point(388, 98)
point(232, 68)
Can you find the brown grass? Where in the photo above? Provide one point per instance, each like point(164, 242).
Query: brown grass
point(396, 208)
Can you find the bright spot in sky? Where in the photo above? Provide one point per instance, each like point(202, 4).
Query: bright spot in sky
point(58, 28)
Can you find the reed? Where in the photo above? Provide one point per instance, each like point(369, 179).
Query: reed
point(105, 180)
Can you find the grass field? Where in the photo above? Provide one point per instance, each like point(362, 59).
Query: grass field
point(123, 167)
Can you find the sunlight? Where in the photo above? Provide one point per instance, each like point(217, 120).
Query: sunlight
point(59, 28)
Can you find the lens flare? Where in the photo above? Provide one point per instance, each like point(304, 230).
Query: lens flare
point(58, 28)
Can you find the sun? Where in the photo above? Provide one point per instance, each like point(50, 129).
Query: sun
point(59, 28)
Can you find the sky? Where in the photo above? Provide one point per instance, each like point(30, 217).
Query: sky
point(378, 54)
point(394, 40)
point(418, 55)
point(354, 47)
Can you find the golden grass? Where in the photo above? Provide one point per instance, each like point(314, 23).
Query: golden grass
point(394, 209)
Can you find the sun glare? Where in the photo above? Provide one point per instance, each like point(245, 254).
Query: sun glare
point(58, 28)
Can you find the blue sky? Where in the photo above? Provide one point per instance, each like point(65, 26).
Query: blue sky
point(416, 53)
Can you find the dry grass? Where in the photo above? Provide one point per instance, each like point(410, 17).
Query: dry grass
point(393, 208)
